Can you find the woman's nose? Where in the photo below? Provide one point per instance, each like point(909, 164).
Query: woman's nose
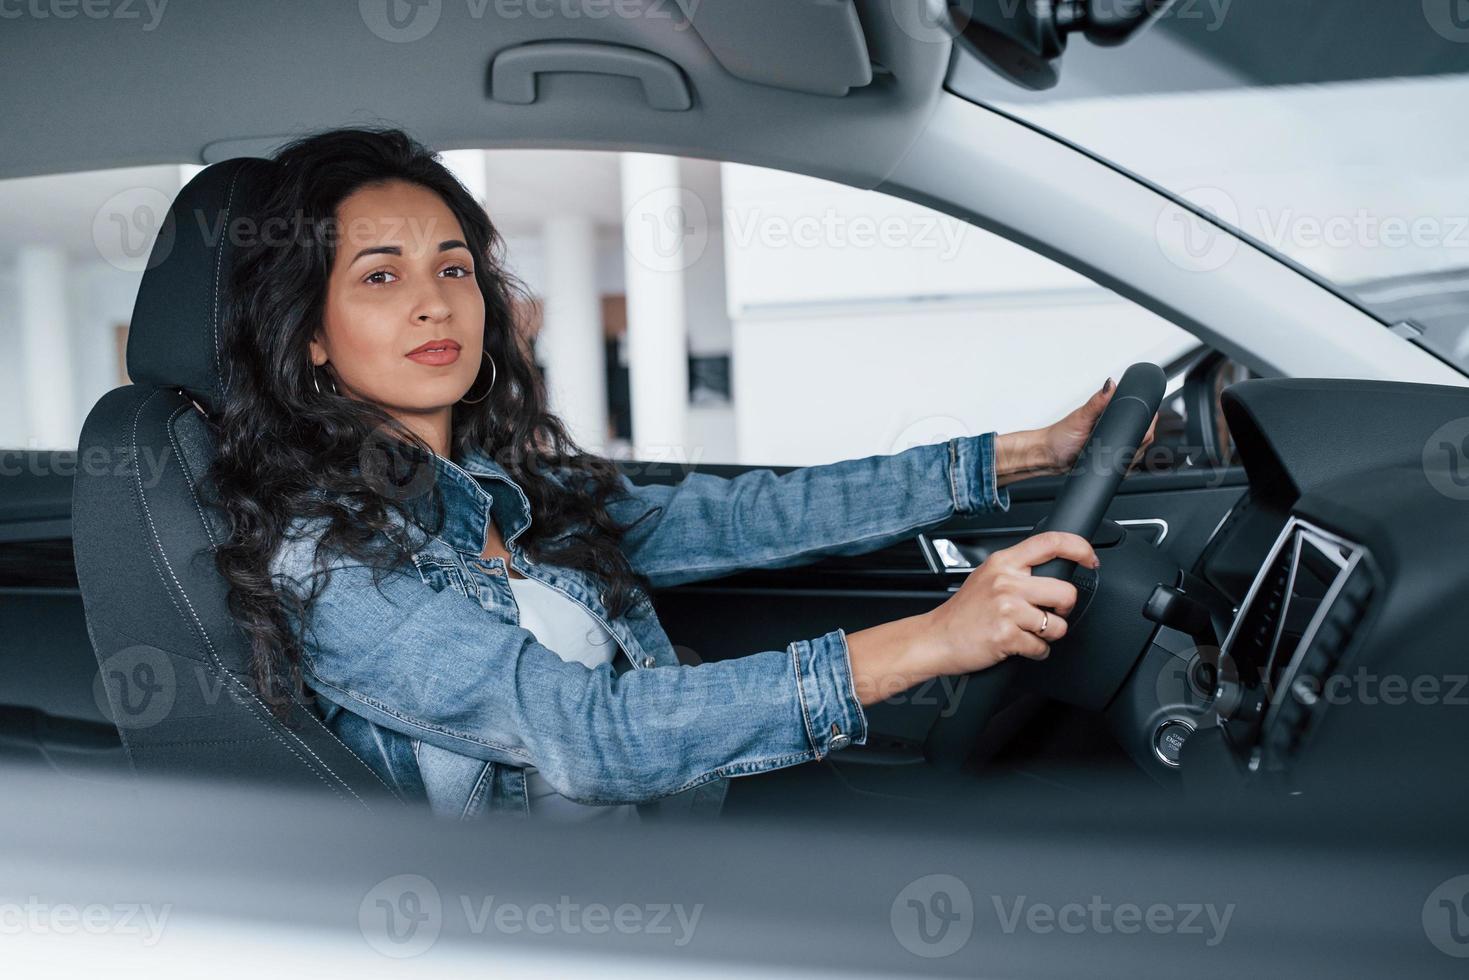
point(431, 306)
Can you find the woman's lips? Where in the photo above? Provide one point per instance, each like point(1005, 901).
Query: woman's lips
point(436, 353)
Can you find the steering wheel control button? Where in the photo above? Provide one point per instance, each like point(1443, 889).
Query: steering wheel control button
point(1168, 741)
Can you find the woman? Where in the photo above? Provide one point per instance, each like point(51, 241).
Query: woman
point(416, 539)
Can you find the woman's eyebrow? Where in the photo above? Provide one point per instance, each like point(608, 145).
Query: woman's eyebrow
point(444, 246)
point(379, 250)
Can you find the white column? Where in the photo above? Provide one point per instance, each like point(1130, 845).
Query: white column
point(46, 348)
point(571, 345)
point(469, 167)
point(660, 240)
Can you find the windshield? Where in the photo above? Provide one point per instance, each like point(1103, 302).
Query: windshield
point(1333, 131)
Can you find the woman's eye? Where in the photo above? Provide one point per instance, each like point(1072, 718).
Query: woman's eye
point(459, 272)
point(378, 278)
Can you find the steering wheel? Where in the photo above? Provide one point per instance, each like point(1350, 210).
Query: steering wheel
point(1079, 508)
point(1104, 460)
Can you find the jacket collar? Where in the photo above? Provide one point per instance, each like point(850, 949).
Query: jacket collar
point(471, 488)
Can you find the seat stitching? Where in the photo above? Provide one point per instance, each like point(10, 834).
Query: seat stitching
point(155, 557)
point(198, 507)
point(189, 476)
point(208, 741)
point(218, 262)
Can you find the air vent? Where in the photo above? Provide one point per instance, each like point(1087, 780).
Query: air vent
point(1289, 636)
point(1301, 703)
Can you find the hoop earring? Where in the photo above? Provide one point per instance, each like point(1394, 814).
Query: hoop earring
point(316, 383)
point(493, 375)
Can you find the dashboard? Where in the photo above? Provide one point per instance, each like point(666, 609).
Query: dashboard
point(1341, 578)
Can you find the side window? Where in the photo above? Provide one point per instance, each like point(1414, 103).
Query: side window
point(693, 312)
point(75, 246)
point(681, 311)
point(863, 323)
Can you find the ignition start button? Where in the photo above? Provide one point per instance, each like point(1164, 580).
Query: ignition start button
point(1168, 741)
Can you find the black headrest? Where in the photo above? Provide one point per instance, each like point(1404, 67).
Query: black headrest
point(176, 331)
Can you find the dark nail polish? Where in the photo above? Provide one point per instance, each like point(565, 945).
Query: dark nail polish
point(1108, 386)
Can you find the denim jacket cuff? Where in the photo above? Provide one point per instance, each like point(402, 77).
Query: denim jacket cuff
point(973, 479)
point(828, 696)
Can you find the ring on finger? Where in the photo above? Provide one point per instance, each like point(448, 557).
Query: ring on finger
point(1045, 621)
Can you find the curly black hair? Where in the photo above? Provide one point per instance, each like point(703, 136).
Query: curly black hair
point(289, 448)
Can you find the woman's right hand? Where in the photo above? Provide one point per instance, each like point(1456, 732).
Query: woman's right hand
point(997, 613)
point(999, 610)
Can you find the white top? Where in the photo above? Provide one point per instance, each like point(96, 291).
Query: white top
point(575, 636)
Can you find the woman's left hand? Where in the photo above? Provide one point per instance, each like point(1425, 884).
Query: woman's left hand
point(1053, 450)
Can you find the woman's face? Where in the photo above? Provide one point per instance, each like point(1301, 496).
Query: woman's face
point(404, 321)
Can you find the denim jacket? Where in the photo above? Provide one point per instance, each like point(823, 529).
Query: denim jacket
point(430, 679)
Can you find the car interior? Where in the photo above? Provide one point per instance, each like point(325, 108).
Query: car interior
point(1312, 546)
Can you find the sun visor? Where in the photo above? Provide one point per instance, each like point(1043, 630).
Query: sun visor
point(814, 46)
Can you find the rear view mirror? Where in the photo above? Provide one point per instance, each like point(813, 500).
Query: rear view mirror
point(1023, 40)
